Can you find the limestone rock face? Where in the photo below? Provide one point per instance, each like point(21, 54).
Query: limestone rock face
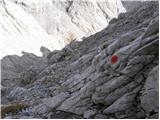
point(149, 99)
point(84, 80)
point(52, 23)
point(21, 32)
point(72, 19)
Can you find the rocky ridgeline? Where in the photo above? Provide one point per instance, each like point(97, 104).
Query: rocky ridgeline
point(111, 74)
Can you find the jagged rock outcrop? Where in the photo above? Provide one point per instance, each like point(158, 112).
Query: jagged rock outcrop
point(111, 74)
point(45, 51)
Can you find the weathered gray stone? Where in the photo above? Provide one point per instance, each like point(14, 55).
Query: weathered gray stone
point(108, 87)
point(100, 116)
point(149, 98)
point(141, 115)
point(56, 100)
point(70, 104)
point(3, 89)
point(45, 51)
point(124, 40)
point(29, 76)
point(152, 28)
point(149, 49)
point(123, 103)
point(119, 92)
point(89, 113)
point(136, 64)
point(16, 93)
point(50, 103)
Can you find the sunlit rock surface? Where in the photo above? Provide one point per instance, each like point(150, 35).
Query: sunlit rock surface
point(20, 32)
point(29, 24)
point(72, 18)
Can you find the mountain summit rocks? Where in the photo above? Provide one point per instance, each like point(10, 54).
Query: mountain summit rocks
point(80, 81)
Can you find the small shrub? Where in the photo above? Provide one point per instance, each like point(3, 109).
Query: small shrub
point(12, 108)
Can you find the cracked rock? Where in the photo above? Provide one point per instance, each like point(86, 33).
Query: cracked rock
point(110, 74)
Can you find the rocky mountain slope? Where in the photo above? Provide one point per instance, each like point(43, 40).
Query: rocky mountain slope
point(20, 31)
point(72, 18)
point(28, 24)
point(111, 74)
